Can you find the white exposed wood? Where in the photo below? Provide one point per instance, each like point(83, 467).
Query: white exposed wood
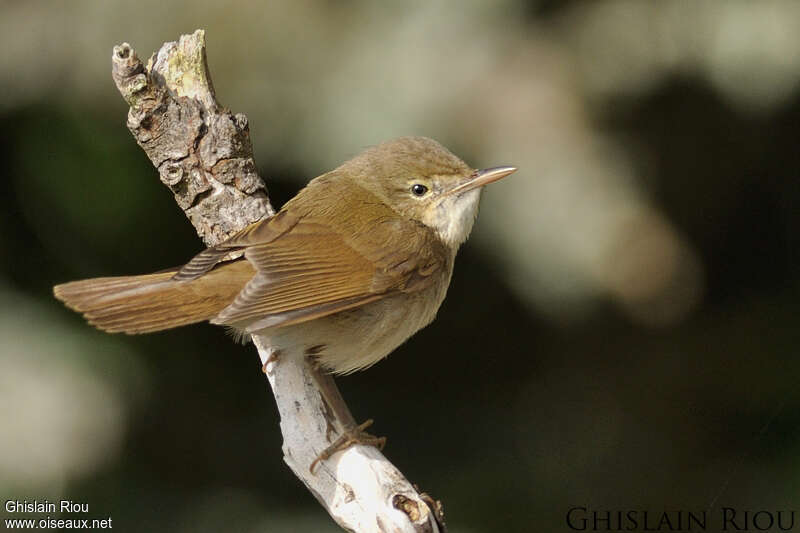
point(358, 486)
point(204, 155)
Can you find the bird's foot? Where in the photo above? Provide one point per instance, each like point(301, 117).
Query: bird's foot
point(356, 435)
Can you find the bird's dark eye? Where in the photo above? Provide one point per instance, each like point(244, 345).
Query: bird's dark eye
point(418, 189)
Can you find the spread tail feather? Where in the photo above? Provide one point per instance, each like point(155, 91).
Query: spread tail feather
point(154, 302)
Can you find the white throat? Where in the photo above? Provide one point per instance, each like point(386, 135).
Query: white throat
point(456, 215)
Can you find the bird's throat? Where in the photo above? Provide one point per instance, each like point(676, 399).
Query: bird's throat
point(455, 216)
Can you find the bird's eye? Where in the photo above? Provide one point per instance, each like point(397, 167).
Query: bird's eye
point(418, 189)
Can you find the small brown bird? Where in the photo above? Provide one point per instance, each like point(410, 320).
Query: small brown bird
point(349, 269)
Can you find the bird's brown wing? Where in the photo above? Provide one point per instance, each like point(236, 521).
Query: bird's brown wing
point(261, 232)
point(307, 267)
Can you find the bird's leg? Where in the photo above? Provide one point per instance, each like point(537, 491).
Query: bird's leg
point(274, 356)
point(339, 419)
point(355, 435)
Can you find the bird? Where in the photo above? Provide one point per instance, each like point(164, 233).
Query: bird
point(346, 271)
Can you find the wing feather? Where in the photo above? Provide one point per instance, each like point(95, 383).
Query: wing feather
point(311, 263)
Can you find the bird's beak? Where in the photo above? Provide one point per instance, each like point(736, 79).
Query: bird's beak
point(479, 178)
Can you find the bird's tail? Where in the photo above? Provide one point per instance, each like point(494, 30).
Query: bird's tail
point(153, 302)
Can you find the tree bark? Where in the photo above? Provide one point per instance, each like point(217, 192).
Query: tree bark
point(204, 156)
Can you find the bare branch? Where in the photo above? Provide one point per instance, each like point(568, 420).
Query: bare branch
point(204, 155)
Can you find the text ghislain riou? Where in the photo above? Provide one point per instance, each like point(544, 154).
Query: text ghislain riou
point(727, 519)
point(45, 506)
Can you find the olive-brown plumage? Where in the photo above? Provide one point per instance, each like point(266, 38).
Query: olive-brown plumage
point(352, 266)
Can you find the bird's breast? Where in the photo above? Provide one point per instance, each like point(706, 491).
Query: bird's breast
point(358, 338)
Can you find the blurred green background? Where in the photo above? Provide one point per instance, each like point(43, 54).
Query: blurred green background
point(621, 331)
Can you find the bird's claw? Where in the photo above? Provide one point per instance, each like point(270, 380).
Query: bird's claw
point(356, 435)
